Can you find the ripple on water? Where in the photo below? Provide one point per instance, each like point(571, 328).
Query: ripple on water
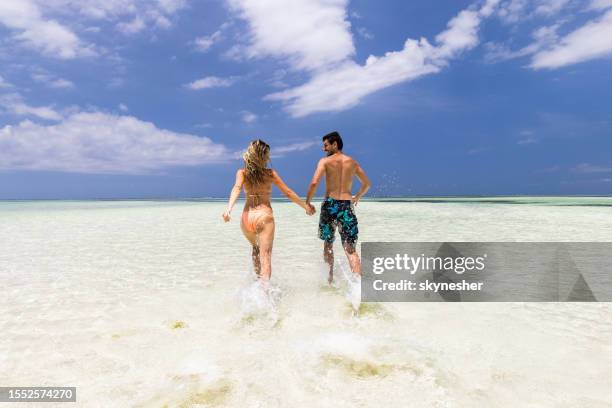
point(196, 380)
point(333, 356)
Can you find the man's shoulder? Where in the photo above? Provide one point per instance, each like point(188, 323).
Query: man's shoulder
point(349, 159)
point(323, 161)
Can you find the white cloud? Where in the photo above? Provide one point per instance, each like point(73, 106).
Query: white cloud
point(31, 29)
point(590, 168)
point(478, 150)
point(203, 44)
point(132, 27)
point(550, 7)
point(527, 137)
point(248, 117)
point(43, 77)
point(600, 4)
point(344, 86)
point(514, 11)
point(116, 82)
point(123, 107)
point(103, 143)
point(44, 112)
point(294, 147)
point(44, 25)
point(311, 34)
point(113, 10)
point(161, 21)
point(543, 37)
point(4, 83)
point(281, 151)
point(549, 50)
point(92, 9)
point(462, 32)
point(61, 83)
point(365, 33)
point(171, 6)
point(511, 11)
point(277, 80)
point(210, 82)
point(592, 40)
point(14, 104)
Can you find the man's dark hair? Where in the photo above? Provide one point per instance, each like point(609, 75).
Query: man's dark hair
point(334, 137)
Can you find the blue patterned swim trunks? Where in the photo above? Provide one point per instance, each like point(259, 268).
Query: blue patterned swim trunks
point(338, 213)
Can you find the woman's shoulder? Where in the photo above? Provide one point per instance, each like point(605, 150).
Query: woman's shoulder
point(272, 174)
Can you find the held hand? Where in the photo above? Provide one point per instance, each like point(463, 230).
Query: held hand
point(226, 216)
point(355, 200)
point(310, 209)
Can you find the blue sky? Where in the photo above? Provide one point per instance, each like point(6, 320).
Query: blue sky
point(134, 98)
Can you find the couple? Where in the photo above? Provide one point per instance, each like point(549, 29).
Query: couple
point(257, 222)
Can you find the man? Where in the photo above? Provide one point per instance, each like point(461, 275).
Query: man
point(337, 210)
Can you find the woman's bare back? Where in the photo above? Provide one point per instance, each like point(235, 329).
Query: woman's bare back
point(257, 195)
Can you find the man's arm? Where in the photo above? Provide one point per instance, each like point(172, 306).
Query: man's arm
point(315, 180)
point(365, 184)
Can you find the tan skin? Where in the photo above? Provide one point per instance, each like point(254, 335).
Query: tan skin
point(339, 170)
point(258, 198)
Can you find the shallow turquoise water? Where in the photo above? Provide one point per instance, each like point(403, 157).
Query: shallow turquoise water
point(146, 303)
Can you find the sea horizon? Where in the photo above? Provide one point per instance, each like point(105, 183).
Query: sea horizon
point(406, 198)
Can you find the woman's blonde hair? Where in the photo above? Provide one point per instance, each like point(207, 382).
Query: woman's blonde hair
point(256, 159)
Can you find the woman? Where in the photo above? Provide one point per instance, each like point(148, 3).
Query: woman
point(257, 222)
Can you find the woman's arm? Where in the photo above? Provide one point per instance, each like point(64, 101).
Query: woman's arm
point(278, 182)
point(234, 194)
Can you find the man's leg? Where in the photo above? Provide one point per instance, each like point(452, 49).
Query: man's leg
point(328, 257)
point(353, 257)
point(327, 231)
point(349, 233)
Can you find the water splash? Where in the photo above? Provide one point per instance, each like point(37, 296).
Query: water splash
point(259, 301)
point(353, 293)
point(350, 283)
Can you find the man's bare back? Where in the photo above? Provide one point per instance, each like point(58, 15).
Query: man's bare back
point(339, 172)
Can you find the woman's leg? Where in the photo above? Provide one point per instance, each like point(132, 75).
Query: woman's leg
point(265, 234)
point(252, 238)
point(256, 260)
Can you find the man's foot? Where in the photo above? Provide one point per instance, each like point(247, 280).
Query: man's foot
point(264, 284)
